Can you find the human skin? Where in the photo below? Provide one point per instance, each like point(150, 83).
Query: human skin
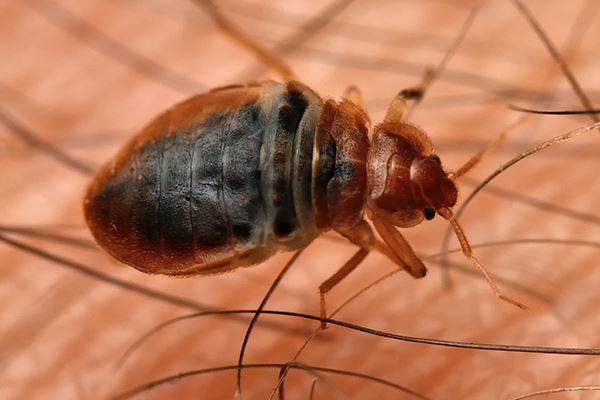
point(62, 331)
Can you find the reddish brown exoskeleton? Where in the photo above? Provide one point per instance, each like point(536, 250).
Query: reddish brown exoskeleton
point(228, 178)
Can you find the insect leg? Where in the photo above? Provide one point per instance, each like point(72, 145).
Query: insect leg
point(397, 108)
point(361, 235)
point(336, 278)
point(354, 94)
point(400, 247)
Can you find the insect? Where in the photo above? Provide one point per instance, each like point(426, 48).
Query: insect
point(227, 178)
point(456, 129)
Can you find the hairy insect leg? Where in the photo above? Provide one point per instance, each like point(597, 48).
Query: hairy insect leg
point(466, 249)
point(267, 57)
point(400, 247)
point(354, 94)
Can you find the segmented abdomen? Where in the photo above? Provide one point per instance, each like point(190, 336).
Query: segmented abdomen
point(219, 181)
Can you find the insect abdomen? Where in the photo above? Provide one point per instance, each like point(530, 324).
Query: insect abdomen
point(206, 193)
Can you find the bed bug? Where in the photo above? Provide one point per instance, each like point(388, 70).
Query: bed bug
point(227, 178)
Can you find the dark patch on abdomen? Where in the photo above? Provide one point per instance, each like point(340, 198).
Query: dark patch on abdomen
point(241, 172)
point(195, 189)
point(291, 110)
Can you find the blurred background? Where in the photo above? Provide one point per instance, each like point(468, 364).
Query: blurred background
point(85, 76)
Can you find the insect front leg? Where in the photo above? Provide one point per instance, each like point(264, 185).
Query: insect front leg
point(400, 247)
point(362, 235)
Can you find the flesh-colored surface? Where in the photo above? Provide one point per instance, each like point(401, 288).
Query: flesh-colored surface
point(62, 332)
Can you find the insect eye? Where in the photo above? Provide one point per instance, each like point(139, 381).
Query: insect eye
point(429, 213)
